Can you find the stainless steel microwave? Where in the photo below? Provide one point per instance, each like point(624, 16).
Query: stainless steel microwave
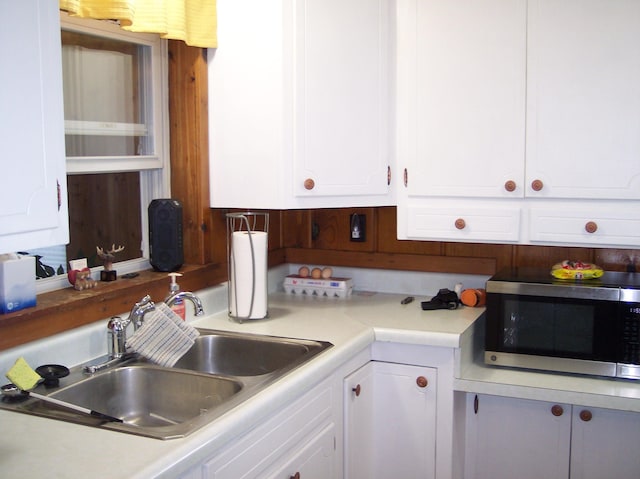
point(535, 321)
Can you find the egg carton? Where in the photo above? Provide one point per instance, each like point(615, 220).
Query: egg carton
point(331, 287)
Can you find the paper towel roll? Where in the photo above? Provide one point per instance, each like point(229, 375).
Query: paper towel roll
point(241, 278)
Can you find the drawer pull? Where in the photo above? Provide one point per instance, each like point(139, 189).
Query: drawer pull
point(537, 185)
point(422, 382)
point(356, 390)
point(309, 184)
point(557, 410)
point(591, 227)
point(460, 224)
point(586, 415)
point(510, 186)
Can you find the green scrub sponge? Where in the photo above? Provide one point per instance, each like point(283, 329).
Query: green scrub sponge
point(23, 376)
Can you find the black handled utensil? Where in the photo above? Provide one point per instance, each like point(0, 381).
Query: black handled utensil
point(7, 390)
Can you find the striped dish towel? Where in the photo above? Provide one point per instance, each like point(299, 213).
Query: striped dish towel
point(163, 337)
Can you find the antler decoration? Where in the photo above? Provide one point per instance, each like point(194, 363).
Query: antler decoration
point(109, 256)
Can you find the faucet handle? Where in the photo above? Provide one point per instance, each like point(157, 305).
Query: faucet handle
point(139, 310)
point(144, 301)
point(117, 337)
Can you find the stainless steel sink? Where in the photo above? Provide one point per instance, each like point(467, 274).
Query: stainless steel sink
point(149, 396)
point(246, 355)
point(220, 372)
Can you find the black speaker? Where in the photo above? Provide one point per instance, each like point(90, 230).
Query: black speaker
point(165, 235)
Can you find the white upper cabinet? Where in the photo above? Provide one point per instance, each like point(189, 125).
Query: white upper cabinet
point(583, 99)
point(519, 121)
point(301, 109)
point(33, 210)
point(462, 89)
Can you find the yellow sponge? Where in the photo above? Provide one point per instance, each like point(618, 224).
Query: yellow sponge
point(23, 376)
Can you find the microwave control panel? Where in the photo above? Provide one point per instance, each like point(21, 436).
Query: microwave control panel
point(630, 333)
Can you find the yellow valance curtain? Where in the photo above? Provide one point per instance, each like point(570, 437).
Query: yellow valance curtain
point(193, 21)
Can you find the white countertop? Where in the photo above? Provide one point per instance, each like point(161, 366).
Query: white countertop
point(39, 447)
point(563, 388)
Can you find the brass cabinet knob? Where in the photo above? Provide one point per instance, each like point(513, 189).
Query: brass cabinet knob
point(537, 185)
point(591, 227)
point(586, 415)
point(309, 184)
point(460, 224)
point(356, 390)
point(422, 382)
point(557, 410)
point(510, 186)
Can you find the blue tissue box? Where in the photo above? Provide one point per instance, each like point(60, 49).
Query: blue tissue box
point(17, 284)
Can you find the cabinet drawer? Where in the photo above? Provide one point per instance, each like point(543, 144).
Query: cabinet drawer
point(254, 453)
point(614, 226)
point(313, 461)
point(463, 223)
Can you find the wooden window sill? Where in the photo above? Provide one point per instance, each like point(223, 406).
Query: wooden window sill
point(65, 309)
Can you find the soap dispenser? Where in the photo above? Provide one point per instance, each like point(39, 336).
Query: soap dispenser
point(177, 305)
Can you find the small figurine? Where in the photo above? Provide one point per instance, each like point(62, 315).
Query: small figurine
point(83, 280)
point(79, 275)
point(109, 274)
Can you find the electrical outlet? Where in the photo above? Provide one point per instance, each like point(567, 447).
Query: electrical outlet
point(358, 230)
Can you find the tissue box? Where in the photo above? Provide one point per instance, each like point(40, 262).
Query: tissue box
point(17, 284)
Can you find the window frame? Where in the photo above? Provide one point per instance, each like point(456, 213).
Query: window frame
point(154, 170)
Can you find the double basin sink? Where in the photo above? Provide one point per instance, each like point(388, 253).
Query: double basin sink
point(218, 373)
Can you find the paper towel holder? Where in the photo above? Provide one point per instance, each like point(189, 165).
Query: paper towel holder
point(249, 222)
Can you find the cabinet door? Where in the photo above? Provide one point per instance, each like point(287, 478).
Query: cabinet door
point(300, 102)
point(390, 422)
point(583, 99)
point(33, 210)
point(509, 438)
point(604, 443)
point(446, 220)
point(586, 224)
point(461, 97)
point(343, 97)
point(314, 461)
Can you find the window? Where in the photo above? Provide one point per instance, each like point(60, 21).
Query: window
point(116, 140)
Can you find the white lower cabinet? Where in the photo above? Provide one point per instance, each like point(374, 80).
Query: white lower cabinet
point(604, 443)
point(507, 438)
point(298, 442)
point(390, 421)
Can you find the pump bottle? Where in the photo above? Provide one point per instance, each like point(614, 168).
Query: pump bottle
point(178, 305)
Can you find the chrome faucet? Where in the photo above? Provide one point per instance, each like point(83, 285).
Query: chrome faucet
point(117, 335)
point(182, 295)
point(117, 327)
